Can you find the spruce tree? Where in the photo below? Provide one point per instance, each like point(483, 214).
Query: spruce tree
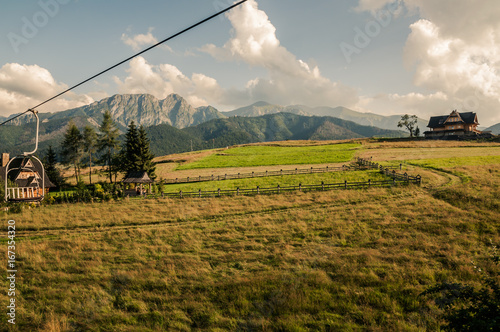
point(72, 148)
point(53, 173)
point(145, 155)
point(130, 154)
point(108, 142)
point(90, 146)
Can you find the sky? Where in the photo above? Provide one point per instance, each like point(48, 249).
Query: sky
point(421, 57)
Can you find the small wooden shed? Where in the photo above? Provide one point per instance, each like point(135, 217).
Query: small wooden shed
point(138, 178)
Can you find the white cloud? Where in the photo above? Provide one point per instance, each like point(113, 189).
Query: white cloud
point(290, 79)
point(162, 80)
point(454, 50)
point(24, 86)
point(137, 42)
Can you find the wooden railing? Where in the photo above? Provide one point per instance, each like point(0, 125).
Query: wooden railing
point(281, 172)
point(278, 189)
point(390, 171)
point(360, 164)
point(20, 193)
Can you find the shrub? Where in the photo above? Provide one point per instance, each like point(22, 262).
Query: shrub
point(467, 308)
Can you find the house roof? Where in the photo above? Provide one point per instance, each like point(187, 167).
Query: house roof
point(137, 177)
point(26, 163)
point(438, 121)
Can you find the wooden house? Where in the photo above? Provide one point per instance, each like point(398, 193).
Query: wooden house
point(26, 175)
point(454, 125)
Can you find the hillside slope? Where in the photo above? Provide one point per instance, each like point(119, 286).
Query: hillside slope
point(366, 119)
point(143, 109)
point(272, 127)
point(495, 129)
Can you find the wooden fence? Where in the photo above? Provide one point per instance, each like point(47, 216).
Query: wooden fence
point(351, 167)
point(360, 164)
point(396, 179)
point(390, 171)
point(278, 190)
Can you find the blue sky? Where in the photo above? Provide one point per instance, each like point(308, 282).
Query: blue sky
point(381, 56)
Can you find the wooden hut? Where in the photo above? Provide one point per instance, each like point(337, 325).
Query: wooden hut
point(139, 178)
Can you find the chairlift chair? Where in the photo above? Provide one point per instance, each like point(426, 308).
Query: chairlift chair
point(28, 172)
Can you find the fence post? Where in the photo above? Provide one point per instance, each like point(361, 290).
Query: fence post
point(237, 191)
point(369, 182)
point(218, 177)
point(199, 193)
point(225, 176)
point(296, 171)
point(281, 172)
point(300, 186)
point(345, 184)
point(266, 172)
point(175, 180)
point(278, 188)
point(400, 167)
point(199, 178)
point(188, 179)
point(252, 174)
point(212, 177)
point(258, 190)
point(419, 179)
point(218, 192)
point(180, 193)
point(322, 185)
point(311, 169)
point(238, 175)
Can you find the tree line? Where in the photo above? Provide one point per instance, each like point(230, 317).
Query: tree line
point(88, 148)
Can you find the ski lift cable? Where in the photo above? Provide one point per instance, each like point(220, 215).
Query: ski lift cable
point(129, 58)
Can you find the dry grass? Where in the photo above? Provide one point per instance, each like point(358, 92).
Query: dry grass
point(343, 260)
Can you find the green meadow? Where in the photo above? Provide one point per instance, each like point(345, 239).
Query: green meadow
point(354, 260)
point(261, 155)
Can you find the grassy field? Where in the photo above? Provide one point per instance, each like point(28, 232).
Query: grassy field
point(321, 261)
point(260, 155)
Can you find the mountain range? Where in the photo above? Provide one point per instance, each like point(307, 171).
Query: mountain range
point(174, 125)
point(367, 119)
point(495, 129)
point(218, 133)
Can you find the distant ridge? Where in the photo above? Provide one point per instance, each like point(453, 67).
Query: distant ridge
point(495, 129)
point(266, 128)
point(174, 118)
point(367, 119)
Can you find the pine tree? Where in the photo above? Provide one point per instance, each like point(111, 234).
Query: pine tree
point(90, 146)
point(136, 154)
point(53, 173)
point(145, 155)
point(130, 154)
point(72, 148)
point(108, 142)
